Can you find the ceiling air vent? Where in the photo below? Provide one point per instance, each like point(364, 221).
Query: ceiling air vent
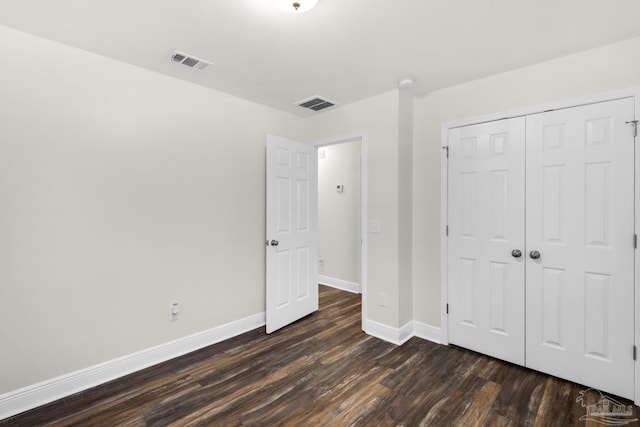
point(190, 61)
point(315, 103)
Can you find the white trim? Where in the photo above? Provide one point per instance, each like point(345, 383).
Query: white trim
point(427, 332)
point(364, 218)
point(364, 153)
point(637, 253)
point(631, 92)
point(344, 285)
point(397, 336)
point(552, 105)
point(39, 394)
point(17, 401)
point(444, 249)
point(405, 333)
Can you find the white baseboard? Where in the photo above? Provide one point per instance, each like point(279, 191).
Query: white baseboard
point(340, 284)
point(401, 335)
point(405, 333)
point(17, 401)
point(382, 331)
point(397, 336)
point(427, 332)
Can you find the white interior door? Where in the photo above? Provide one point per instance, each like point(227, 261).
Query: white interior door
point(580, 218)
point(292, 195)
point(486, 229)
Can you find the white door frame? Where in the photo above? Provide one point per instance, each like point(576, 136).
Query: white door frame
point(334, 140)
point(444, 197)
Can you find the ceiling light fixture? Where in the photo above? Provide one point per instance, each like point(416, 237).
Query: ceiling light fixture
point(296, 6)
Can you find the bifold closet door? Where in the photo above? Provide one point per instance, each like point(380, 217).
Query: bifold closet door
point(486, 231)
point(580, 207)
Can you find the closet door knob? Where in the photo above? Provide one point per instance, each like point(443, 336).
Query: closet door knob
point(534, 254)
point(516, 253)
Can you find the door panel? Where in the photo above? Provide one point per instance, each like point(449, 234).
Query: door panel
point(580, 207)
point(292, 286)
point(486, 206)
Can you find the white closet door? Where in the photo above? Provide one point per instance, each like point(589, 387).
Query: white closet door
point(580, 207)
point(486, 223)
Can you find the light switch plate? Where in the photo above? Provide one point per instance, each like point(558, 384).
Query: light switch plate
point(374, 226)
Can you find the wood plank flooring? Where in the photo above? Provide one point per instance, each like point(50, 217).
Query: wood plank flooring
point(323, 371)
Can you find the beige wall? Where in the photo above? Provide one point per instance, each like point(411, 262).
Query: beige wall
point(125, 190)
point(122, 191)
point(339, 213)
point(608, 68)
point(378, 117)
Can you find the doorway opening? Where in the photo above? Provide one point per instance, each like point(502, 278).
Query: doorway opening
point(342, 214)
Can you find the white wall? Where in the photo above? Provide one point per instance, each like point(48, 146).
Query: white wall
point(378, 118)
point(611, 67)
point(122, 191)
point(405, 207)
point(125, 190)
point(339, 213)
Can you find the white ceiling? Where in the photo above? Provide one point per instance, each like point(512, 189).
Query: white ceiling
point(344, 50)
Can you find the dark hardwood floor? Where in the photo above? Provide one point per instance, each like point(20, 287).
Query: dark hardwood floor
point(323, 371)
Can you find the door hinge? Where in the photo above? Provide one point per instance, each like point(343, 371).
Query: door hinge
point(635, 241)
point(446, 153)
point(635, 126)
point(448, 311)
point(635, 352)
point(446, 230)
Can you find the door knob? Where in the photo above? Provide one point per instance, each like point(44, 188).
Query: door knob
point(516, 253)
point(534, 254)
point(274, 243)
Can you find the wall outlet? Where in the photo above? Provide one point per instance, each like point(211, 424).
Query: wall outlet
point(174, 311)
